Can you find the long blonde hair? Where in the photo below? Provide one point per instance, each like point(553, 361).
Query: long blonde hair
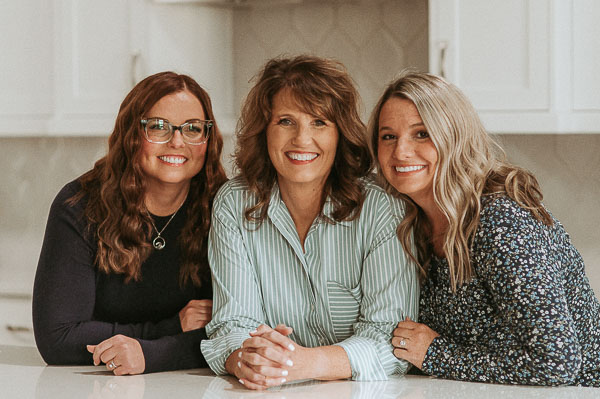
point(470, 164)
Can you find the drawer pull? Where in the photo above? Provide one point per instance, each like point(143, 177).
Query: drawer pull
point(16, 328)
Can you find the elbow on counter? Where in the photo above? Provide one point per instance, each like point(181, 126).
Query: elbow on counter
point(57, 346)
point(558, 368)
point(56, 352)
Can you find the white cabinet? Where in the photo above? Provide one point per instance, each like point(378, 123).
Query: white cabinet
point(527, 65)
point(26, 69)
point(67, 64)
point(93, 62)
point(16, 326)
point(192, 39)
point(584, 58)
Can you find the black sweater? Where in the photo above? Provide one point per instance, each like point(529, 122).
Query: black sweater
point(75, 305)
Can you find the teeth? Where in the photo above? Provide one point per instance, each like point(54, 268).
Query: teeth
point(409, 168)
point(175, 160)
point(302, 157)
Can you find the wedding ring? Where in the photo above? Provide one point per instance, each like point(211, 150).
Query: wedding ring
point(111, 365)
point(402, 343)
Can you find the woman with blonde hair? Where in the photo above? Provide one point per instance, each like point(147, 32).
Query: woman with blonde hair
point(504, 295)
point(123, 276)
point(306, 278)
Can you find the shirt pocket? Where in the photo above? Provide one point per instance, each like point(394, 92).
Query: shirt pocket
point(344, 306)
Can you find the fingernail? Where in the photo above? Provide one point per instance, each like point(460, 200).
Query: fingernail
point(289, 362)
point(239, 365)
point(291, 347)
point(253, 332)
point(240, 354)
point(283, 380)
point(241, 382)
point(284, 372)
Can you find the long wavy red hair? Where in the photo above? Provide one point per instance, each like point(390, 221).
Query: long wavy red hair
point(115, 187)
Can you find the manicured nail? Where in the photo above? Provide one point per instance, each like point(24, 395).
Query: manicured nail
point(241, 382)
point(284, 372)
point(239, 365)
point(253, 332)
point(240, 354)
point(289, 362)
point(291, 347)
point(283, 380)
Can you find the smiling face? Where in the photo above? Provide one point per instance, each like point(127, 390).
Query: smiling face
point(301, 146)
point(173, 163)
point(406, 154)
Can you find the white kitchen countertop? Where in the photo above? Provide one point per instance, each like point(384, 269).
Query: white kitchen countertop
point(24, 375)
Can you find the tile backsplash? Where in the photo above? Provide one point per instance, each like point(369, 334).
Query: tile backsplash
point(375, 40)
point(567, 167)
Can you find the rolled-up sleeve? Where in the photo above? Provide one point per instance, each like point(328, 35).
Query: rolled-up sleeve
point(390, 293)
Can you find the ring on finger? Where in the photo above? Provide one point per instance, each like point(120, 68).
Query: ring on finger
point(111, 365)
point(402, 343)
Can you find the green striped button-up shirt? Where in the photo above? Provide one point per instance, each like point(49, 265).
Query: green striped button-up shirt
point(350, 285)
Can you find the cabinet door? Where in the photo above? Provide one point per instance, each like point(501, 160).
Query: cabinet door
point(93, 64)
point(585, 58)
point(26, 48)
point(16, 325)
point(498, 53)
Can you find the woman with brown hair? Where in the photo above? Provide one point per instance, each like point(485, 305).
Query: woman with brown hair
point(504, 296)
point(123, 276)
point(302, 246)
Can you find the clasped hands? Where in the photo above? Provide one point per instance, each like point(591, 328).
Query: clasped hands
point(268, 358)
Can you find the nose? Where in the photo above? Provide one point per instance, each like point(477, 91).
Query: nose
point(404, 149)
point(177, 139)
point(303, 135)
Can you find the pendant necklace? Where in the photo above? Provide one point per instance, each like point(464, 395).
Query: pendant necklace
point(159, 242)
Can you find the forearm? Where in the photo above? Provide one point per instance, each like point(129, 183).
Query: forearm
point(321, 363)
point(178, 352)
point(514, 364)
point(65, 343)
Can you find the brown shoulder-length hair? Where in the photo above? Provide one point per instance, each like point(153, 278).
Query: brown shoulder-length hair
point(470, 165)
point(115, 188)
point(320, 87)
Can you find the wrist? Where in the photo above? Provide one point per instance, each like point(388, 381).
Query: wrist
point(231, 362)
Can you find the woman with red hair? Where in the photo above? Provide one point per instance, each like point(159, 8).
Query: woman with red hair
point(123, 276)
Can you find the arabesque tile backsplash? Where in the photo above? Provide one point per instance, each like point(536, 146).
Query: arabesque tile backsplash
point(567, 166)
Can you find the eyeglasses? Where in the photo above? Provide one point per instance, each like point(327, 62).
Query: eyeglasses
point(161, 131)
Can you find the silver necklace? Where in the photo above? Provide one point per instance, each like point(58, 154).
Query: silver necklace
point(159, 242)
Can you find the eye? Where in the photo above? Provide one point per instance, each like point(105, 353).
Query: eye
point(157, 124)
point(319, 122)
point(195, 127)
point(422, 134)
point(285, 122)
point(386, 137)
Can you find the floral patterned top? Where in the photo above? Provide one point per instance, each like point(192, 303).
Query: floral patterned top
point(529, 315)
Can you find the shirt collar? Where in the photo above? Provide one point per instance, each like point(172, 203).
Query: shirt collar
point(275, 203)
